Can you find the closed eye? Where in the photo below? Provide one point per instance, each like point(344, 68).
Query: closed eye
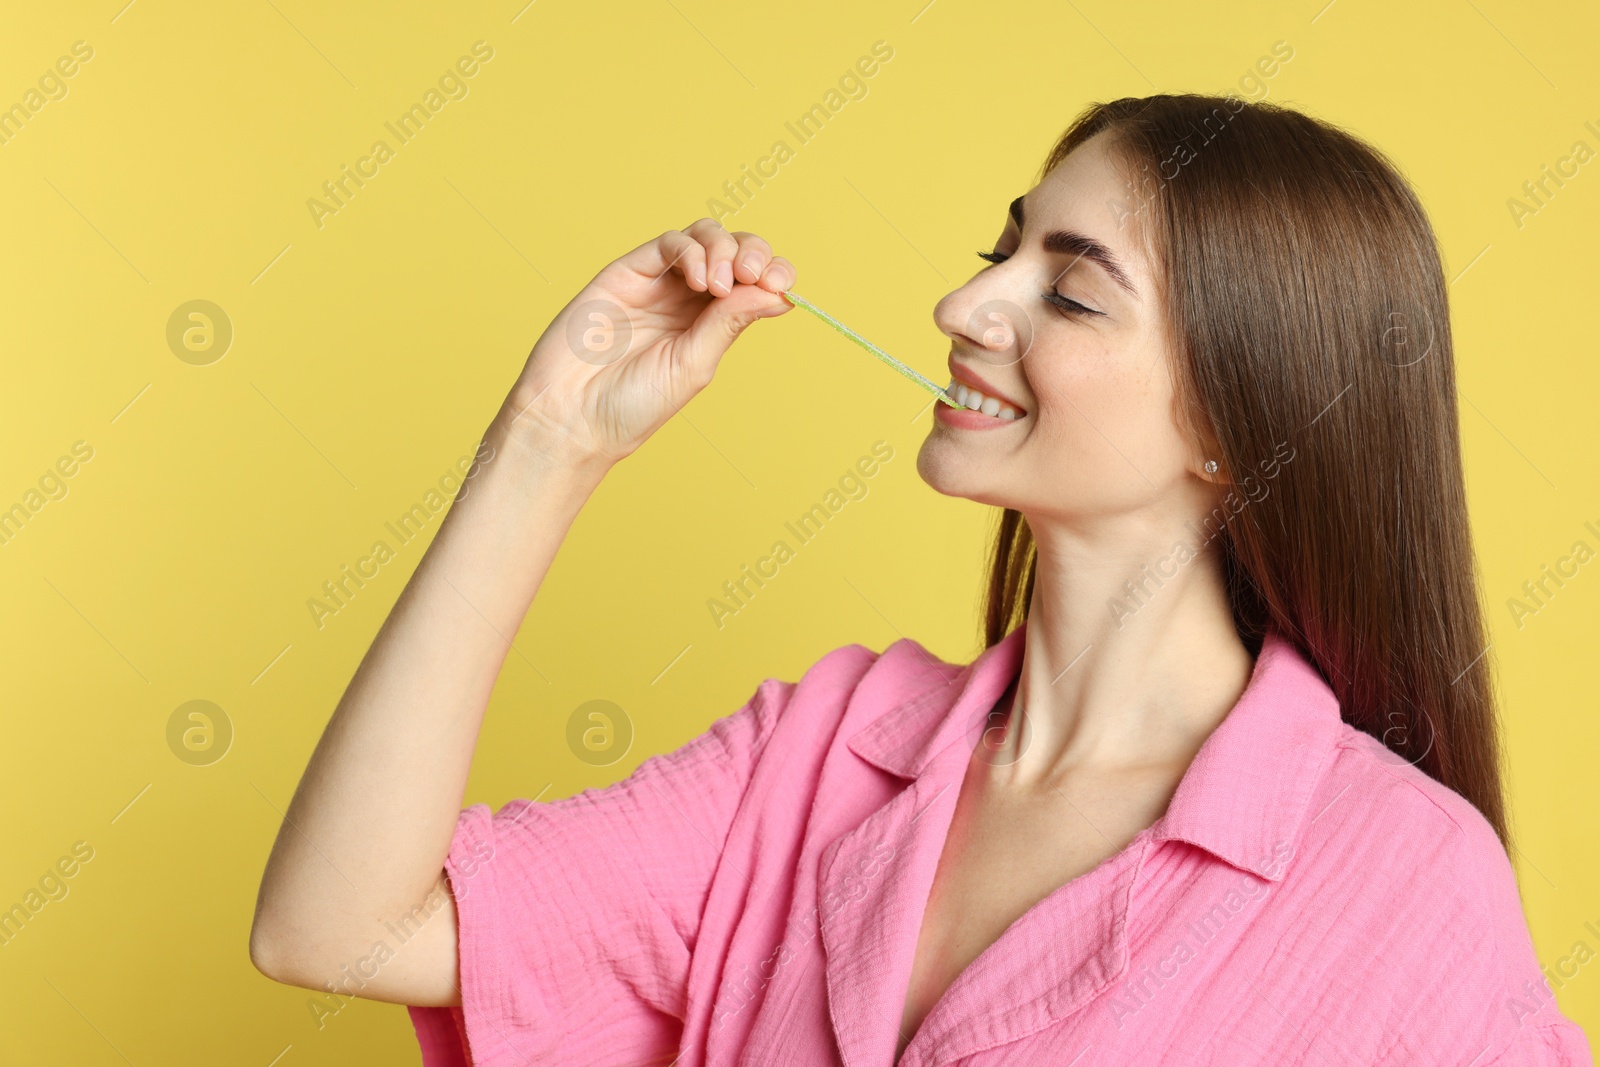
point(1065, 303)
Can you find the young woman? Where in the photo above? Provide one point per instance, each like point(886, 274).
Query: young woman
point(1222, 788)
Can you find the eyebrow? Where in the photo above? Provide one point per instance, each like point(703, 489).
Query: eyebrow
point(1071, 242)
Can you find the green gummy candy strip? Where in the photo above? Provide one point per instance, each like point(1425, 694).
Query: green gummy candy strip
point(932, 387)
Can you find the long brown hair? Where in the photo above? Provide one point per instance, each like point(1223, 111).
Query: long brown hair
point(1312, 357)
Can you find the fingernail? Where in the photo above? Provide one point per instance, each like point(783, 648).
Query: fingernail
point(725, 276)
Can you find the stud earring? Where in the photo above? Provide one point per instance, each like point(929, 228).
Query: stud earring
point(1211, 466)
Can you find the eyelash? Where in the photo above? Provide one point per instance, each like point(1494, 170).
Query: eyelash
point(1065, 303)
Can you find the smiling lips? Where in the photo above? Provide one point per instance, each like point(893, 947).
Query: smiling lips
point(971, 392)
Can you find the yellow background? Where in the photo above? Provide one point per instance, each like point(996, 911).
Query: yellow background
point(369, 354)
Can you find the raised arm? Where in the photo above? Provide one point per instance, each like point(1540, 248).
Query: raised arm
point(365, 836)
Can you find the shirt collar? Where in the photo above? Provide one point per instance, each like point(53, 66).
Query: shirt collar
point(1243, 797)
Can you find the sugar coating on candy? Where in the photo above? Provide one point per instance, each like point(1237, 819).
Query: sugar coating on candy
point(934, 388)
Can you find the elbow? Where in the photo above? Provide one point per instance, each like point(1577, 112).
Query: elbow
point(276, 954)
point(264, 953)
point(279, 941)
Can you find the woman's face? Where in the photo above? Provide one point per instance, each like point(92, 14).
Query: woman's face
point(1072, 333)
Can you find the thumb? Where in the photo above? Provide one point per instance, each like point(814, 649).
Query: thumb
point(725, 318)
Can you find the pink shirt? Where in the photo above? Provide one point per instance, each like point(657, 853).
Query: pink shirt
point(754, 898)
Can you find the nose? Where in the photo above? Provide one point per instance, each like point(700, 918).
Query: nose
point(984, 323)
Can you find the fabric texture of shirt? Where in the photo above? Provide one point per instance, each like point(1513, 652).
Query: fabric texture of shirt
point(755, 898)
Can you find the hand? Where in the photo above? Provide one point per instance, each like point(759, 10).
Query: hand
point(641, 339)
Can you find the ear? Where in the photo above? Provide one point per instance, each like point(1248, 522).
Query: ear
point(1202, 445)
point(1204, 449)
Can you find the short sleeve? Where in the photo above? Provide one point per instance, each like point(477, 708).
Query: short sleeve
point(578, 917)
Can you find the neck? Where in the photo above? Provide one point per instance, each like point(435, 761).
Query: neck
point(1112, 679)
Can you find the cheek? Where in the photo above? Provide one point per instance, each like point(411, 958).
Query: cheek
point(1108, 415)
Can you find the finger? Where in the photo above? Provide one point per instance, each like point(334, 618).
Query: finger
point(752, 257)
point(685, 255)
point(720, 249)
point(660, 256)
point(722, 321)
point(778, 276)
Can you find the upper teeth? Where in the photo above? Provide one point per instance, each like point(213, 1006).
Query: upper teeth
point(968, 397)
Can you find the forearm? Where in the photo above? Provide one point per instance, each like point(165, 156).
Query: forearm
point(367, 832)
point(369, 826)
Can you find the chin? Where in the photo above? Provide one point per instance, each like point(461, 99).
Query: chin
point(946, 470)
